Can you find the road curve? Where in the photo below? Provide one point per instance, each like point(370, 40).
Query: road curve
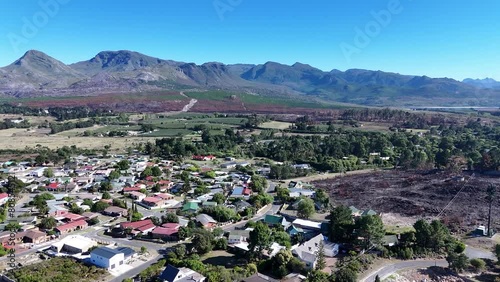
point(387, 270)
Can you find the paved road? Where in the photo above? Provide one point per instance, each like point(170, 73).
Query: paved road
point(387, 270)
point(136, 270)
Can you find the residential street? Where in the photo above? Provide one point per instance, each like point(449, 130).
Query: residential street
point(387, 270)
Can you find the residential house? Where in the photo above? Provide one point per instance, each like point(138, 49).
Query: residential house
point(138, 227)
point(89, 215)
point(72, 226)
point(276, 220)
point(35, 237)
point(4, 198)
point(182, 274)
point(204, 158)
point(168, 232)
point(258, 277)
point(107, 258)
point(307, 224)
point(190, 207)
point(307, 252)
point(137, 195)
point(238, 236)
point(73, 244)
point(300, 192)
point(206, 221)
point(115, 211)
point(153, 202)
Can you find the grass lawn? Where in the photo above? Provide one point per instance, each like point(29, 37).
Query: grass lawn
point(276, 125)
point(223, 258)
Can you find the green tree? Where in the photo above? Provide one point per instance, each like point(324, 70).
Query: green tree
point(147, 172)
point(346, 274)
point(478, 264)
point(12, 227)
point(282, 194)
point(105, 186)
point(497, 251)
point(305, 208)
point(321, 260)
point(317, 276)
point(321, 197)
point(258, 183)
point(457, 262)
point(123, 165)
point(48, 172)
point(341, 224)
point(219, 198)
point(99, 206)
point(377, 278)
point(259, 239)
point(202, 242)
point(371, 229)
point(156, 171)
point(114, 175)
point(210, 174)
point(170, 218)
point(106, 195)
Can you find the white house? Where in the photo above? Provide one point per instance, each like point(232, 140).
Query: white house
point(308, 251)
point(107, 258)
point(182, 274)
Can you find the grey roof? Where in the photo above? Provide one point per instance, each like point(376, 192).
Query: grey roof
point(205, 218)
point(126, 251)
point(169, 274)
point(105, 252)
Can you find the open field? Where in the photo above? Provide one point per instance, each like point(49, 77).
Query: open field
point(33, 120)
point(276, 125)
point(418, 194)
point(18, 139)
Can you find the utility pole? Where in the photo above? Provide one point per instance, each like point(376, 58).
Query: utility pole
point(490, 197)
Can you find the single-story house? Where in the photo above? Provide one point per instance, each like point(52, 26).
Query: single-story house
point(115, 211)
point(206, 221)
point(72, 226)
point(182, 274)
point(307, 251)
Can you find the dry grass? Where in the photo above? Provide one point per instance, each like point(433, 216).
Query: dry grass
point(34, 120)
point(18, 139)
point(276, 125)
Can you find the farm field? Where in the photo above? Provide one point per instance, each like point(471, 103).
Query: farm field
point(18, 139)
point(417, 194)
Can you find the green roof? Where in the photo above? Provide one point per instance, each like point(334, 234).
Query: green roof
point(369, 212)
point(189, 206)
point(273, 219)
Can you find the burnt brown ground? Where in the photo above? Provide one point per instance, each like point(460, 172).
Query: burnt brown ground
point(418, 194)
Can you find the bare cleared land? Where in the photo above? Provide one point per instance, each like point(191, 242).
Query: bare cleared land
point(418, 194)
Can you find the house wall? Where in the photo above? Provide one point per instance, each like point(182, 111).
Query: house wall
point(111, 263)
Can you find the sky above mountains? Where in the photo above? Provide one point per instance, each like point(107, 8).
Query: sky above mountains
point(455, 39)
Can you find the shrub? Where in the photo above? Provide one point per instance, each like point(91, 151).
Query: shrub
point(478, 264)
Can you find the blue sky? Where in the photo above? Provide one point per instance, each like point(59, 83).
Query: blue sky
point(448, 38)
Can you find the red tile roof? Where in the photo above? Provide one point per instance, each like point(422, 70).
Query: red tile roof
point(3, 195)
point(136, 224)
point(164, 196)
point(152, 199)
point(73, 216)
point(171, 225)
point(164, 231)
point(53, 185)
point(130, 189)
point(72, 225)
point(146, 227)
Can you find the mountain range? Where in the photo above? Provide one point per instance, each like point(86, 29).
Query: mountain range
point(37, 74)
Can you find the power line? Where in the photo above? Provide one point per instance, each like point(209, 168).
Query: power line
point(456, 195)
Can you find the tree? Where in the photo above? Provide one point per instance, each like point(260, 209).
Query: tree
point(320, 261)
point(99, 206)
point(143, 250)
point(259, 239)
point(219, 198)
point(497, 251)
point(282, 194)
point(341, 224)
point(305, 208)
point(202, 242)
point(12, 227)
point(170, 218)
point(147, 172)
point(210, 174)
point(105, 186)
point(457, 262)
point(48, 172)
point(258, 183)
point(491, 192)
point(371, 229)
point(321, 198)
point(317, 276)
point(377, 278)
point(114, 175)
point(180, 251)
point(282, 238)
point(156, 171)
point(220, 244)
point(123, 165)
point(346, 274)
point(106, 195)
point(478, 264)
